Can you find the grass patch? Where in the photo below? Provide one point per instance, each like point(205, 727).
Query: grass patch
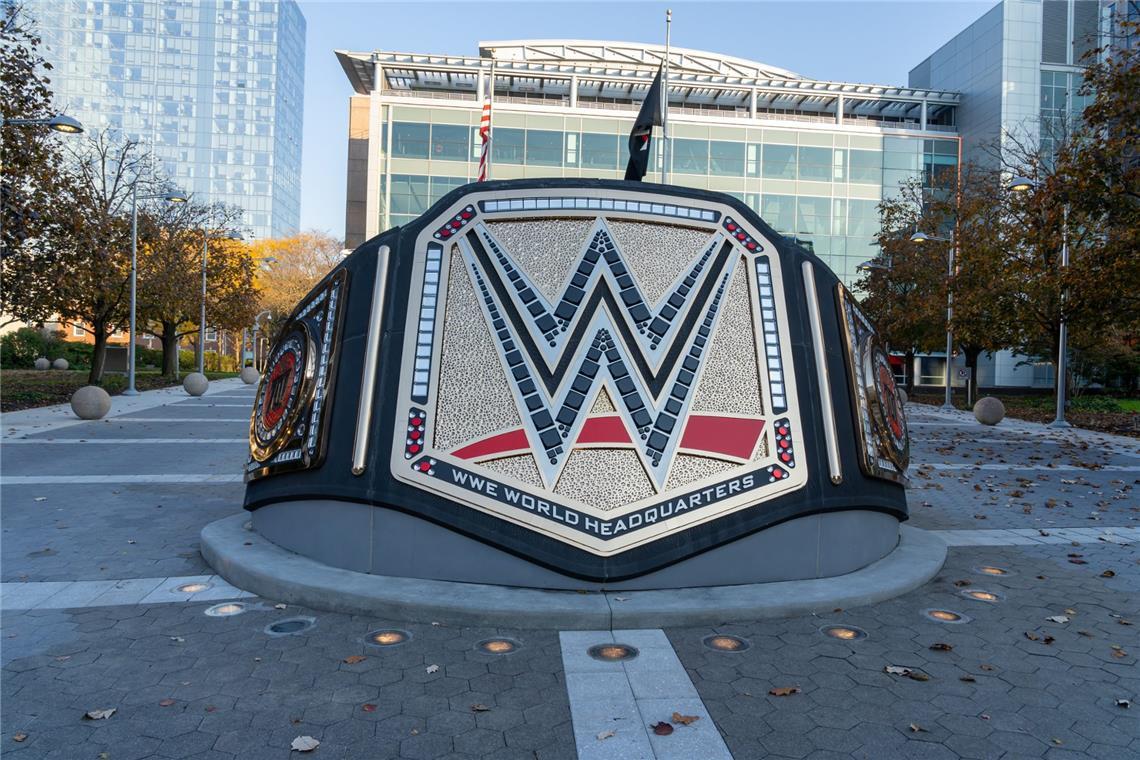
point(28, 388)
point(1106, 414)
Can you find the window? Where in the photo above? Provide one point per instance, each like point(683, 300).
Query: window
point(863, 218)
point(726, 159)
point(866, 166)
point(779, 211)
point(77, 331)
point(449, 142)
point(815, 164)
point(779, 161)
point(507, 145)
point(543, 148)
point(409, 140)
point(813, 216)
point(409, 194)
point(211, 334)
point(690, 156)
point(600, 151)
point(117, 332)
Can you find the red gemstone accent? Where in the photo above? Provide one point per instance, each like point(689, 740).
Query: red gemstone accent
point(752, 246)
point(445, 232)
point(786, 456)
point(777, 474)
point(784, 444)
point(424, 466)
point(414, 448)
point(466, 214)
point(415, 435)
point(740, 236)
point(731, 227)
point(782, 430)
point(416, 421)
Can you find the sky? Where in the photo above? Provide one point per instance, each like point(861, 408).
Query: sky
point(840, 40)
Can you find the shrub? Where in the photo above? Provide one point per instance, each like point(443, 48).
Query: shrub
point(20, 349)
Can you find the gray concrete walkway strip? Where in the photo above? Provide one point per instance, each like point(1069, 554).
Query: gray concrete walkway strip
point(58, 416)
point(11, 441)
point(628, 697)
point(253, 563)
point(195, 420)
point(1028, 536)
point(199, 478)
point(1035, 467)
point(57, 595)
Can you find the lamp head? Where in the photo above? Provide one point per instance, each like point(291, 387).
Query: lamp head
point(65, 124)
point(174, 196)
point(920, 237)
point(1021, 184)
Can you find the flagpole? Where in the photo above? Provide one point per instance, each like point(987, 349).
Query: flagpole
point(665, 104)
point(490, 123)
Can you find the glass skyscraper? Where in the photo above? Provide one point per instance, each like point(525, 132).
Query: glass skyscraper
point(215, 87)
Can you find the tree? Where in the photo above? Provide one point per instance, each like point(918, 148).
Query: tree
point(904, 290)
point(170, 260)
point(300, 263)
point(30, 176)
point(86, 246)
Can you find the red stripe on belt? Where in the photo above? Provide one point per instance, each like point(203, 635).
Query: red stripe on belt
point(708, 434)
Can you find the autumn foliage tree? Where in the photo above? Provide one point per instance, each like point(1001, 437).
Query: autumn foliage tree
point(299, 263)
point(170, 260)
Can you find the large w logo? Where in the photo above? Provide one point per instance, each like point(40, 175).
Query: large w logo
point(600, 332)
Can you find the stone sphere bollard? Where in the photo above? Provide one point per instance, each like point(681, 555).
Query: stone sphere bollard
point(249, 375)
point(42, 364)
point(989, 410)
point(60, 363)
point(90, 402)
point(195, 384)
point(902, 395)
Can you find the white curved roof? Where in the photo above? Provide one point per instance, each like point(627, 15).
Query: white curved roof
point(630, 53)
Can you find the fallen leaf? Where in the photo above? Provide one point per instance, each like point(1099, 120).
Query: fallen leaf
point(305, 744)
point(352, 659)
point(1108, 574)
point(166, 702)
point(606, 734)
point(1058, 619)
point(1119, 653)
point(1031, 636)
point(916, 675)
point(1048, 640)
point(1078, 562)
point(21, 737)
point(784, 691)
point(211, 708)
point(414, 732)
point(941, 646)
point(621, 598)
point(41, 498)
point(963, 583)
point(968, 679)
point(479, 707)
point(131, 541)
point(433, 668)
point(1125, 703)
point(983, 716)
point(280, 606)
point(1086, 633)
point(897, 670)
point(684, 720)
point(100, 714)
point(1070, 612)
point(63, 658)
point(178, 639)
point(662, 728)
point(368, 707)
point(1056, 742)
point(916, 728)
point(435, 623)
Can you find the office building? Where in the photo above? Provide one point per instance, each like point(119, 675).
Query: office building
point(813, 157)
point(216, 87)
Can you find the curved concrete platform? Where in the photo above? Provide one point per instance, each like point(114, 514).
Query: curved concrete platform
point(253, 563)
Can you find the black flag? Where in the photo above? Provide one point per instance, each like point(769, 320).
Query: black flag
point(639, 137)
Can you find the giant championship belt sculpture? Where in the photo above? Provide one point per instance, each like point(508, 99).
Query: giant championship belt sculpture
point(562, 383)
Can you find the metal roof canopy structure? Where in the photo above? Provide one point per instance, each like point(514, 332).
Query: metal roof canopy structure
point(617, 72)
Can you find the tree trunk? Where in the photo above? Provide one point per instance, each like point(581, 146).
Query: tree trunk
point(99, 355)
point(169, 340)
point(972, 355)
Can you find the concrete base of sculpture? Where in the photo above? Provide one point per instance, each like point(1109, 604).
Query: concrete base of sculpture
point(249, 375)
point(989, 410)
point(90, 403)
point(195, 384)
point(249, 561)
point(385, 542)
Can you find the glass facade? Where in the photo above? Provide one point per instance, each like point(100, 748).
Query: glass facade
point(215, 87)
point(819, 186)
point(1061, 105)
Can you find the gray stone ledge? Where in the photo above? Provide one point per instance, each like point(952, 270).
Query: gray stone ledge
point(271, 572)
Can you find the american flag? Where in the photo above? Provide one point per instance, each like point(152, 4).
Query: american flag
point(485, 135)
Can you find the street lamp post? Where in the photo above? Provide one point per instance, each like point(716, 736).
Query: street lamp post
point(921, 237)
point(169, 197)
point(1022, 184)
point(202, 309)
